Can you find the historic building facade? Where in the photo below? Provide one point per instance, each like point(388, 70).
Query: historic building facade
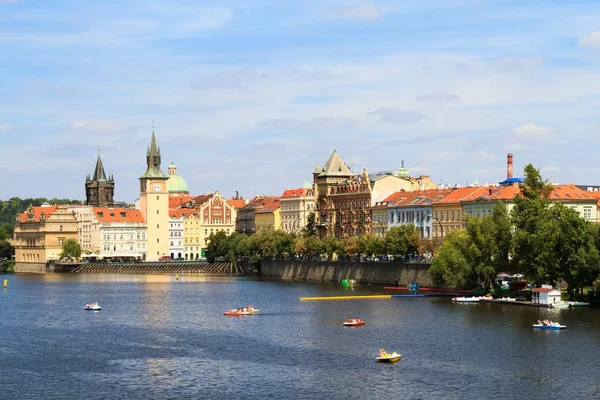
point(295, 207)
point(41, 231)
point(344, 200)
point(99, 190)
point(245, 221)
point(448, 211)
point(154, 204)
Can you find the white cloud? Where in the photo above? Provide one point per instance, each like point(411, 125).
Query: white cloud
point(438, 97)
point(363, 12)
point(592, 40)
point(533, 131)
point(395, 116)
point(4, 127)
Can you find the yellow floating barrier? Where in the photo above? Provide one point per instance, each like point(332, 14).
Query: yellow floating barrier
point(5, 283)
point(375, 296)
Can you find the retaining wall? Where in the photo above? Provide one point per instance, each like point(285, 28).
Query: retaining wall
point(29, 267)
point(381, 273)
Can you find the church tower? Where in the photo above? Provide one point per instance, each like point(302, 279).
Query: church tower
point(99, 191)
point(154, 204)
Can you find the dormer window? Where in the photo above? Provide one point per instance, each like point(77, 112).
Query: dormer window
point(123, 214)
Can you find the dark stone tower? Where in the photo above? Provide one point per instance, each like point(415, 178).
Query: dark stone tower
point(99, 191)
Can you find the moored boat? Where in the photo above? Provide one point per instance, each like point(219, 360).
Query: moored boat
point(465, 299)
point(354, 322)
point(387, 357)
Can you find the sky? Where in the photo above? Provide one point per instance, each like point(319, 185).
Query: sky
point(249, 95)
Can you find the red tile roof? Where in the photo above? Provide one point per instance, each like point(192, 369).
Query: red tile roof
point(269, 205)
point(178, 201)
point(416, 198)
point(559, 193)
point(260, 201)
point(106, 214)
point(463, 194)
point(237, 203)
point(37, 212)
point(294, 193)
point(543, 290)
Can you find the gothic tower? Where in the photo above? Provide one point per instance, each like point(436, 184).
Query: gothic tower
point(99, 191)
point(154, 204)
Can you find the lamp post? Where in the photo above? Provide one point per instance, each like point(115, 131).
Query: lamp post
point(439, 223)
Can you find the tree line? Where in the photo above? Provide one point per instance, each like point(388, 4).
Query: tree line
point(545, 241)
point(398, 242)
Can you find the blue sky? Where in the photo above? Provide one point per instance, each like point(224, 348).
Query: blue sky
point(249, 95)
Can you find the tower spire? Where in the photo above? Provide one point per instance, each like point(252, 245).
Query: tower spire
point(99, 174)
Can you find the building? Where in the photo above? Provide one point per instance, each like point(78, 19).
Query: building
point(582, 201)
point(344, 200)
point(245, 221)
point(448, 211)
point(99, 191)
point(154, 204)
point(268, 217)
point(110, 232)
point(176, 223)
point(422, 182)
point(414, 208)
point(41, 231)
point(295, 206)
point(379, 216)
point(212, 214)
point(545, 295)
point(176, 185)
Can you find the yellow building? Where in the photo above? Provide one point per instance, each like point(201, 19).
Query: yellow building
point(447, 211)
point(39, 235)
point(268, 217)
point(213, 214)
point(154, 204)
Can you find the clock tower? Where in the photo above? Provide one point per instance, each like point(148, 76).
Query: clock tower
point(154, 204)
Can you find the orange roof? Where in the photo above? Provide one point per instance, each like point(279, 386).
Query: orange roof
point(269, 205)
point(463, 194)
point(559, 193)
point(237, 203)
point(106, 214)
point(259, 201)
point(294, 193)
point(417, 198)
point(178, 201)
point(37, 212)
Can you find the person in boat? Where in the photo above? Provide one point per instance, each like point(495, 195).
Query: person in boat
point(383, 353)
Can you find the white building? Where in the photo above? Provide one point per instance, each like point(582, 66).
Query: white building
point(545, 295)
point(176, 221)
point(295, 205)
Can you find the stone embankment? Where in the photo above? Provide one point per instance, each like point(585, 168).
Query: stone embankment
point(153, 268)
point(380, 273)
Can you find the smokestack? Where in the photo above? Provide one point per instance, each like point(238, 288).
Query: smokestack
point(509, 166)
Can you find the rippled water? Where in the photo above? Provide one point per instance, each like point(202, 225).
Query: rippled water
point(159, 338)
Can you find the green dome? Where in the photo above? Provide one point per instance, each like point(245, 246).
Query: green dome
point(307, 185)
point(176, 184)
point(403, 172)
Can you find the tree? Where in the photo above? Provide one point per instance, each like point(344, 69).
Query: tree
point(535, 233)
point(451, 267)
point(309, 229)
point(6, 250)
point(401, 241)
point(217, 246)
point(71, 248)
point(502, 237)
point(480, 250)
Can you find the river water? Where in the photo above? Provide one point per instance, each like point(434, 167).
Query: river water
point(162, 338)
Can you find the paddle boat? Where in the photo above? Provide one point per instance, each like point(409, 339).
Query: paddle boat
point(248, 310)
point(384, 356)
point(92, 307)
point(549, 325)
point(465, 299)
point(354, 322)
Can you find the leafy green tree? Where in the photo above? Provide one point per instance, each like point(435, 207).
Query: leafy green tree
point(217, 246)
point(310, 228)
point(451, 268)
point(502, 237)
point(535, 236)
point(4, 233)
point(401, 240)
point(331, 246)
point(71, 248)
point(6, 250)
point(480, 249)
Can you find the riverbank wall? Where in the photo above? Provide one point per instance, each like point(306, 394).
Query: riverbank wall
point(378, 273)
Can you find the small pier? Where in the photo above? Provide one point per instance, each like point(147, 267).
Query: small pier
point(161, 268)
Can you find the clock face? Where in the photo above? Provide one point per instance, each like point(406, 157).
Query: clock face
point(157, 187)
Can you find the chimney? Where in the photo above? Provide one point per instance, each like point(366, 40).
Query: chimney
point(509, 166)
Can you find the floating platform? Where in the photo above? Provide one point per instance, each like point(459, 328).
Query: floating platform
point(365, 297)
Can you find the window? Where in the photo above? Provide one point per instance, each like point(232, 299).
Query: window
point(157, 240)
point(587, 213)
